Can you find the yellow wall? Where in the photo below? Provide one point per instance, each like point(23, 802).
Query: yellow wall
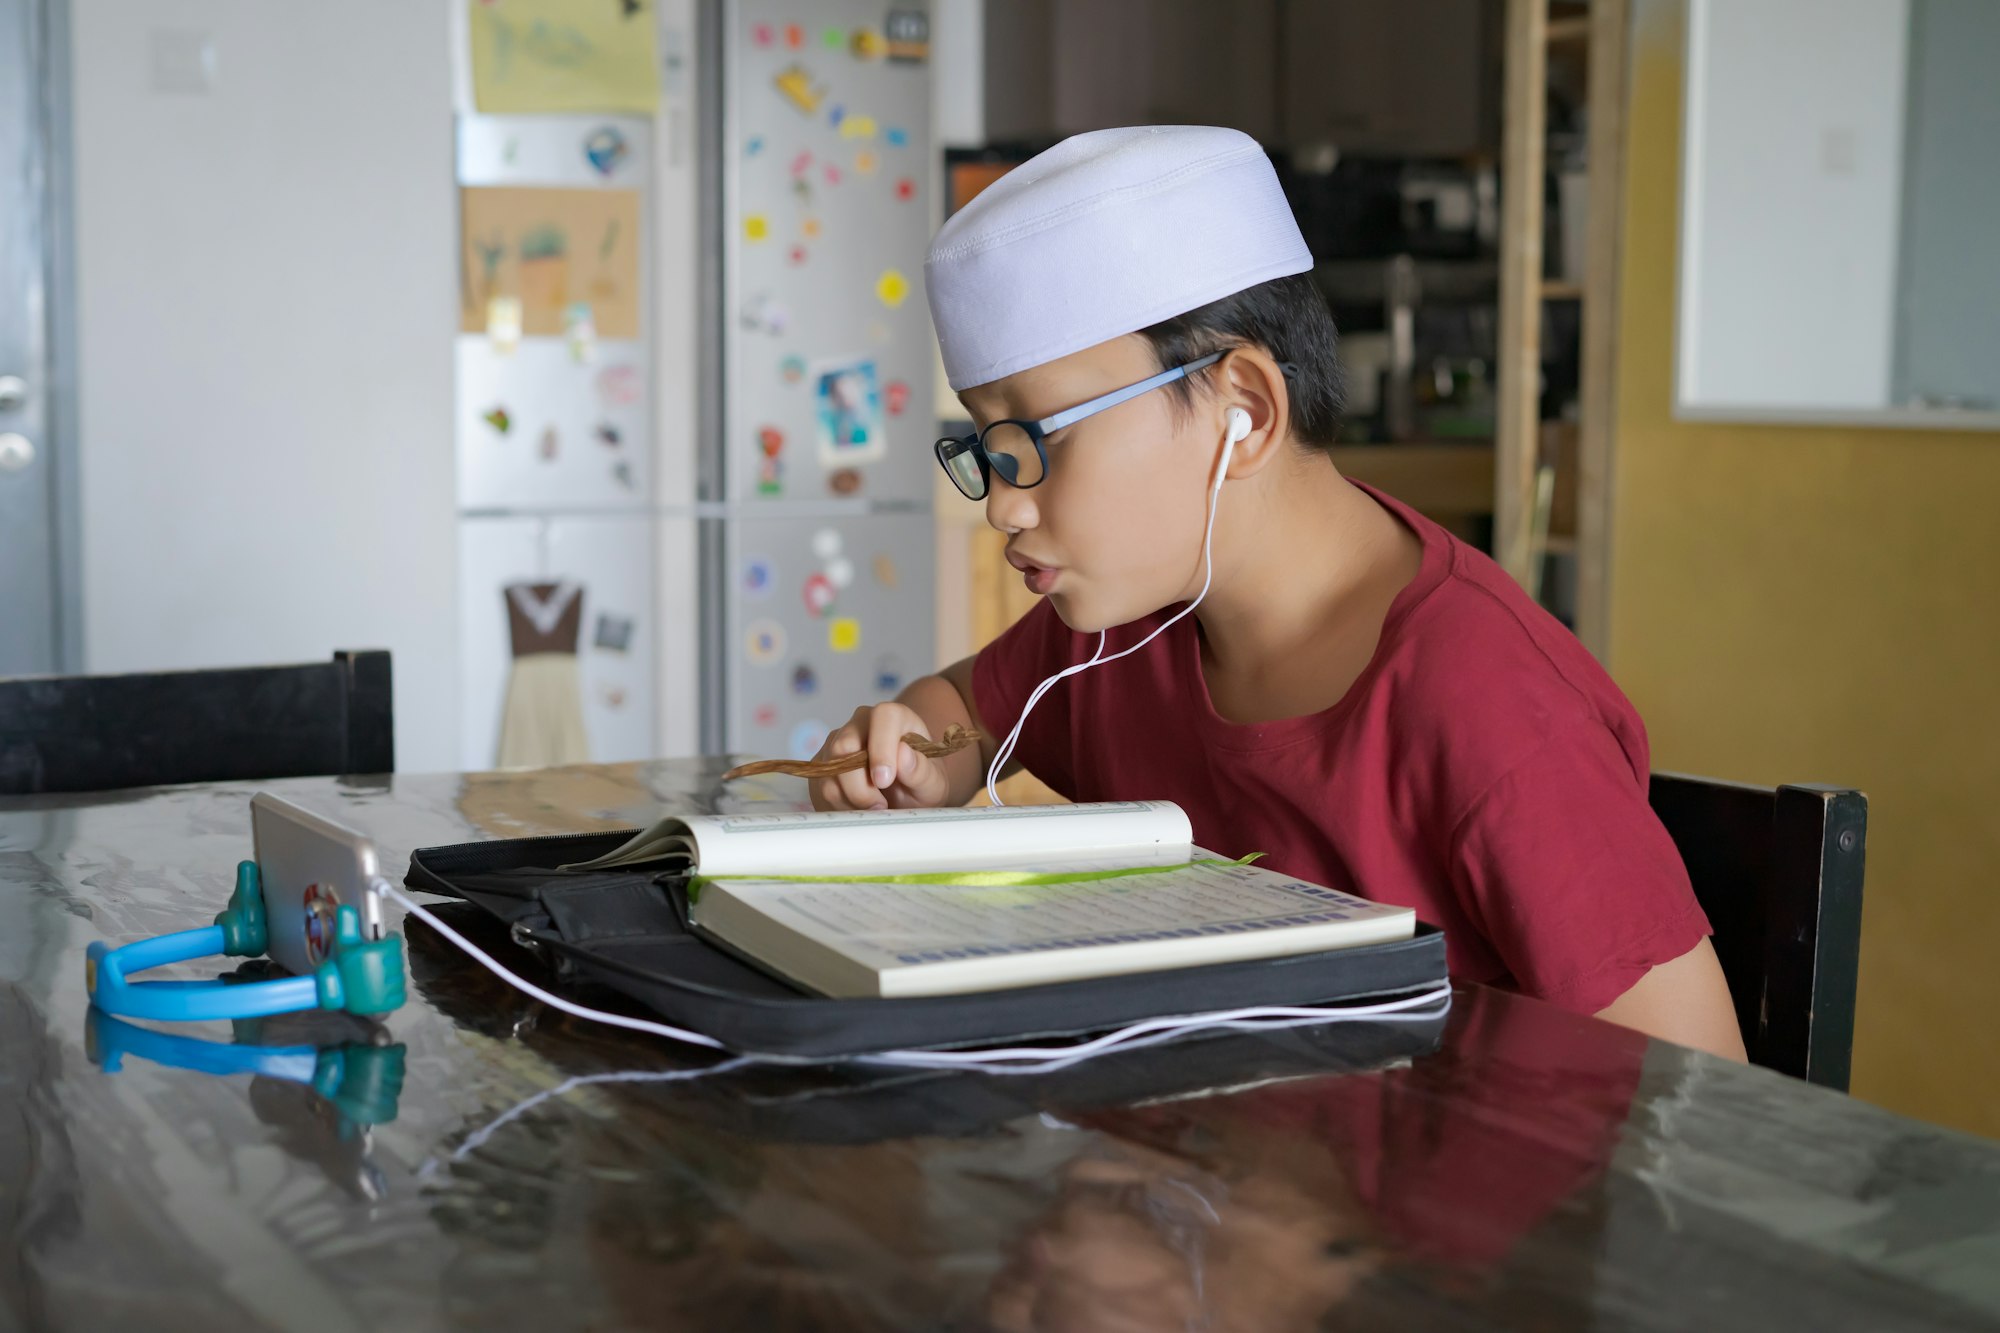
point(1807, 604)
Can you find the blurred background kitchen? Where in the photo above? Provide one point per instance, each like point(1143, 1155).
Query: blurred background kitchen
point(594, 329)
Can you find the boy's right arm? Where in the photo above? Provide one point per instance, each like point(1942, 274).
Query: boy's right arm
point(897, 776)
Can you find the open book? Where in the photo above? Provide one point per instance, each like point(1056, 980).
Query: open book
point(936, 902)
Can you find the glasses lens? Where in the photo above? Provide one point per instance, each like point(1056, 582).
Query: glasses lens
point(961, 463)
point(1011, 451)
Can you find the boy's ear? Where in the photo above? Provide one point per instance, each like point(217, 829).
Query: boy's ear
point(1249, 378)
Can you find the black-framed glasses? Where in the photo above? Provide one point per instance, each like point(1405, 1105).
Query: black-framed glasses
point(1014, 448)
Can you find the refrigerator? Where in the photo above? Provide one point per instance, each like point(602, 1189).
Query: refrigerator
point(819, 559)
point(730, 471)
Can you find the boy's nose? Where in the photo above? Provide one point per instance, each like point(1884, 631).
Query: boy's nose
point(1008, 507)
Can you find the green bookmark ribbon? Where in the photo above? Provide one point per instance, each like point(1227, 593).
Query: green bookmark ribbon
point(976, 879)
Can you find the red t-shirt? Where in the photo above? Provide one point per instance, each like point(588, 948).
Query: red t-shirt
point(1483, 770)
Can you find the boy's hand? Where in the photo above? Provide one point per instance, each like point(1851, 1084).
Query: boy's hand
point(896, 776)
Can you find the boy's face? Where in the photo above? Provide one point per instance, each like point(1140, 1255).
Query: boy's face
point(1114, 532)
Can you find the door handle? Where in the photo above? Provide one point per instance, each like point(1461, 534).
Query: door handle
point(13, 393)
point(16, 452)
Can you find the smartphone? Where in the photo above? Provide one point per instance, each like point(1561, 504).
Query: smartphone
point(309, 867)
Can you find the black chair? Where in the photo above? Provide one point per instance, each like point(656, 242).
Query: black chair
point(1779, 873)
point(99, 733)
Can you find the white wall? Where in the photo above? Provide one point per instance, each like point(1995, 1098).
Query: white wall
point(1791, 197)
point(266, 285)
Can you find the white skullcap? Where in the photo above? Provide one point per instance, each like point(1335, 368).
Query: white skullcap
point(1103, 235)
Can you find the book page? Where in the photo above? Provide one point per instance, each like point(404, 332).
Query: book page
point(841, 842)
point(884, 926)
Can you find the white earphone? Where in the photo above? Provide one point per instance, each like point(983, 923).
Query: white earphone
point(1239, 426)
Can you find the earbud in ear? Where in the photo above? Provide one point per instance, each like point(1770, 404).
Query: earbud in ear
point(1239, 424)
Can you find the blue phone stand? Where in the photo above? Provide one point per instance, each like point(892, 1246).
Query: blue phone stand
point(361, 976)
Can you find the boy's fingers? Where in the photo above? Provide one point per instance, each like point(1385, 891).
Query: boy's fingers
point(885, 742)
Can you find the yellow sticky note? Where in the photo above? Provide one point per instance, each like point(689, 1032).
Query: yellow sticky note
point(892, 287)
point(534, 56)
point(843, 634)
point(756, 227)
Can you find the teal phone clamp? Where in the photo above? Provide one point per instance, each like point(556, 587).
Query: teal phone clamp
point(361, 976)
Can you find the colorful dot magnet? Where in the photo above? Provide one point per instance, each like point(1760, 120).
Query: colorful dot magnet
point(766, 642)
point(759, 577)
point(843, 634)
point(810, 228)
point(833, 39)
point(756, 227)
point(770, 477)
point(807, 737)
point(892, 288)
point(896, 136)
point(835, 114)
point(844, 481)
point(621, 472)
point(766, 715)
point(888, 676)
point(906, 189)
point(805, 680)
point(771, 441)
point(605, 150)
point(857, 127)
point(754, 146)
point(797, 255)
point(841, 570)
point(795, 36)
point(819, 594)
point(796, 86)
point(885, 571)
point(802, 163)
point(792, 369)
point(762, 35)
point(896, 397)
point(499, 420)
point(832, 174)
point(864, 162)
point(608, 436)
point(826, 543)
point(867, 44)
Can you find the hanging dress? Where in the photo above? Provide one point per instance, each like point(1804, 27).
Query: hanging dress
point(542, 725)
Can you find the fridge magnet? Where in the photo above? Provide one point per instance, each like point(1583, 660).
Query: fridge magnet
point(833, 39)
point(835, 114)
point(499, 420)
point(832, 174)
point(795, 36)
point(804, 680)
point(802, 163)
point(763, 313)
point(613, 634)
point(888, 675)
point(908, 34)
point(770, 477)
point(754, 145)
point(531, 57)
point(756, 227)
point(896, 136)
point(840, 570)
point(792, 369)
point(613, 696)
point(758, 577)
point(892, 288)
point(826, 543)
point(766, 715)
point(848, 414)
point(766, 643)
point(843, 634)
point(802, 190)
point(608, 436)
point(818, 595)
point(796, 86)
point(761, 35)
point(551, 443)
point(906, 189)
point(580, 332)
point(619, 386)
point(605, 150)
point(810, 228)
point(867, 44)
point(864, 162)
point(503, 324)
point(844, 481)
point(858, 127)
point(549, 249)
point(798, 254)
point(807, 737)
point(621, 472)
point(885, 571)
point(770, 441)
point(896, 396)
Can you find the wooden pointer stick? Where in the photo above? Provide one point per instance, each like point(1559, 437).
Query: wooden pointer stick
point(955, 738)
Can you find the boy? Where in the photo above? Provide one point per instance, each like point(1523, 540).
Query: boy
point(1130, 320)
